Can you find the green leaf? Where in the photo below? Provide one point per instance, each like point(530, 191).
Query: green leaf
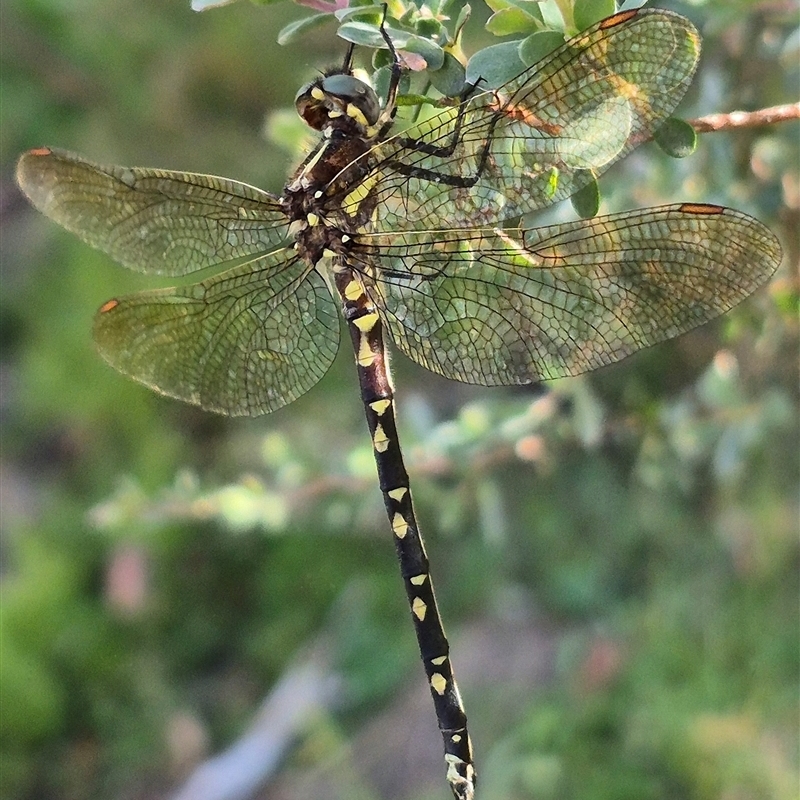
point(538, 45)
point(586, 201)
point(381, 79)
point(510, 21)
point(367, 34)
point(381, 58)
point(450, 78)
point(415, 100)
point(463, 15)
point(498, 5)
point(587, 12)
point(374, 12)
point(293, 30)
point(430, 29)
point(430, 51)
point(495, 65)
point(551, 15)
point(530, 7)
point(676, 137)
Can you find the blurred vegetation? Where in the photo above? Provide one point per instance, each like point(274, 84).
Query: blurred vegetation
point(163, 567)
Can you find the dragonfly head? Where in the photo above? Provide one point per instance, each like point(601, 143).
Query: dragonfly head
point(338, 102)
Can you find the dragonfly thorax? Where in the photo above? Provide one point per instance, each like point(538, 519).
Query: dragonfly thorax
point(347, 112)
point(338, 102)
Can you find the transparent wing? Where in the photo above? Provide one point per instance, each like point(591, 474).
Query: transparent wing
point(541, 136)
point(244, 342)
point(511, 307)
point(152, 220)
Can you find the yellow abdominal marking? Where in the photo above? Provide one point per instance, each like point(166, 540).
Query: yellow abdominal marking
point(418, 580)
point(398, 494)
point(379, 407)
point(380, 440)
point(453, 777)
point(365, 357)
point(399, 526)
point(438, 683)
point(419, 608)
point(365, 324)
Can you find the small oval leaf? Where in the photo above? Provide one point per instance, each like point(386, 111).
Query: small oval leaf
point(587, 12)
point(356, 12)
point(538, 45)
point(430, 29)
point(510, 21)
point(430, 51)
point(369, 35)
point(532, 7)
point(381, 79)
point(463, 15)
point(586, 201)
point(294, 29)
point(676, 137)
point(450, 79)
point(551, 15)
point(494, 65)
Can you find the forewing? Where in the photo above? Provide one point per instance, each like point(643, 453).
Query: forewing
point(245, 342)
point(549, 130)
point(511, 307)
point(152, 220)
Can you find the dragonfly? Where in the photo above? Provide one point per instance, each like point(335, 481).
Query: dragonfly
point(418, 237)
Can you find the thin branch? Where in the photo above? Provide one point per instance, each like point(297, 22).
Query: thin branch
point(745, 119)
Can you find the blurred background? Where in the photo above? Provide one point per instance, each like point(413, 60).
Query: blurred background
point(616, 556)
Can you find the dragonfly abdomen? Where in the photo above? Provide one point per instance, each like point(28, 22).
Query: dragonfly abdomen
point(367, 334)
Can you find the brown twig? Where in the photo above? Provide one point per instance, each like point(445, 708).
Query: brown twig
point(745, 119)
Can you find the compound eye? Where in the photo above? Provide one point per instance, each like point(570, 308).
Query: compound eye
point(352, 92)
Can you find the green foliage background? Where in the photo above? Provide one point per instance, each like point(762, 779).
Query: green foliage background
point(163, 568)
